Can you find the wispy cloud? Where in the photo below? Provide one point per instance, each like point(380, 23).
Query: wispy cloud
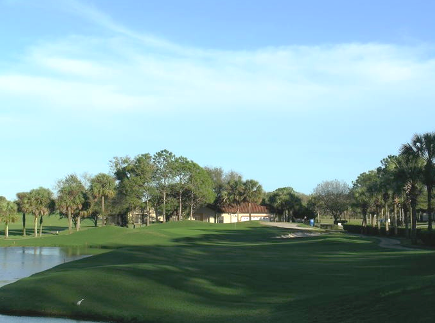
point(127, 70)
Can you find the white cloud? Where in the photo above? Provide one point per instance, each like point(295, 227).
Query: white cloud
point(290, 78)
point(128, 70)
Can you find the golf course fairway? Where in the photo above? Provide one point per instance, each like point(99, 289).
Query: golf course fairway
point(199, 272)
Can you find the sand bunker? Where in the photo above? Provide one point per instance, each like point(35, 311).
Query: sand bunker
point(299, 234)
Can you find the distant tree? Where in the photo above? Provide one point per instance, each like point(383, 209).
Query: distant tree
point(234, 194)
point(220, 180)
point(40, 203)
point(23, 204)
point(8, 213)
point(163, 174)
point(182, 168)
point(135, 182)
point(423, 147)
point(70, 197)
point(333, 197)
point(408, 173)
point(361, 195)
point(253, 193)
point(102, 186)
point(284, 202)
point(200, 188)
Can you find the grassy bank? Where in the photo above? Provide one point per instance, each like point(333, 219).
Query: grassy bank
point(198, 272)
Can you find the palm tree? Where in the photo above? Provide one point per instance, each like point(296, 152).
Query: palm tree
point(423, 147)
point(235, 194)
point(102, 185)
point(70, 196)
point(253, 193)
point(8, 213)
point(408, 173)
point(40, 204)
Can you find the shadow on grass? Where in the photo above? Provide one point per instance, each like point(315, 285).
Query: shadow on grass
point(228, 275)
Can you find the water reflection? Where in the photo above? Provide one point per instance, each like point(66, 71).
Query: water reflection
point(20, 262)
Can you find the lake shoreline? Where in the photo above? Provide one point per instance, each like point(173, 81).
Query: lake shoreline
point(45, 258)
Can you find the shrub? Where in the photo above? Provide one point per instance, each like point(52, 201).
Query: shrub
point(428, 237)
point(369, 230)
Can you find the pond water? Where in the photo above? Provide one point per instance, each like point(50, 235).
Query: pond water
point(20, 262)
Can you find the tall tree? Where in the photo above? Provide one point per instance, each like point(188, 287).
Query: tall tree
point(361, 194)
point(70, 197)
point(253, 193)
point(408, 173)
point(387, 186)
point(423, 147)
point(8, 213)
point(163, 174)
point(102, 186)
point(200, 188)
point(182, 168)
point(134, 178)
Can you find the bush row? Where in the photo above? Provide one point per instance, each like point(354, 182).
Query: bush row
point(401, 232)
point(428, 237)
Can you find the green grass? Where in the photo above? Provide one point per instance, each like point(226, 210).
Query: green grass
point(199, 272)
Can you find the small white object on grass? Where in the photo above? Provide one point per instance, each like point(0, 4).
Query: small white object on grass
point(80, 301)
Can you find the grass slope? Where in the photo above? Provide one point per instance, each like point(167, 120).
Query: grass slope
point(198, 272)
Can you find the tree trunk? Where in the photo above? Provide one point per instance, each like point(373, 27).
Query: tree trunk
point(387, 218)
point(414, 222)
point(7, 230)
point(103, 220)
point(191, 207)
point(429, 207)
point(249, 210)
point(24, 224)
point(406, 220)
point(364, 222)
point(164, 207)
point(40, 226)
point(35, 225)
point(179, 206)
point(378, 223)
point(78, 223)
point(148, 214)
point(69, 220)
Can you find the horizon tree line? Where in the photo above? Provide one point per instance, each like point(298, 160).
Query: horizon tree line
point(173, 186)
point(392, 193)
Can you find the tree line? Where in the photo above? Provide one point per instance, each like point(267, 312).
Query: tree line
point(172, 186)
point(392, 193)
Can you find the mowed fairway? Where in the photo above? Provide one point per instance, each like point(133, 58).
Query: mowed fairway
point(199, 272)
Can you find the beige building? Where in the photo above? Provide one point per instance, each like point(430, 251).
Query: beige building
point(229, 214)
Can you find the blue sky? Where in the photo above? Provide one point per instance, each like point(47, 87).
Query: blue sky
point(290, 93)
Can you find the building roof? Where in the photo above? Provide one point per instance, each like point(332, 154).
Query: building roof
point(244, 208)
